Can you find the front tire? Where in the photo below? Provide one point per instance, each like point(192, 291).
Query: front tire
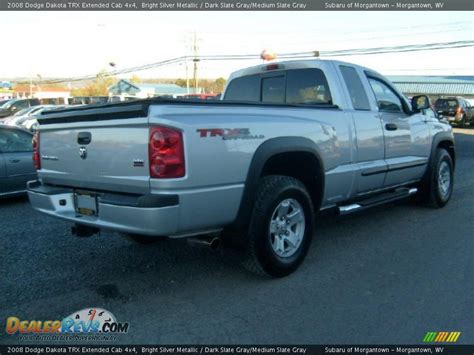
point(281, 227)
point(437, 186)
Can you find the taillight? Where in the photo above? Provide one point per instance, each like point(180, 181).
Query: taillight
point(166, 153)
point(36, 150)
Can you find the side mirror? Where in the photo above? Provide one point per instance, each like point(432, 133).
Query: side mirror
point(420, 102)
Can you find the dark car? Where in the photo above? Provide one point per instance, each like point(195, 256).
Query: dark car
point(456, 109)
point(88, 100)
point(13, 106)
point(16, 164)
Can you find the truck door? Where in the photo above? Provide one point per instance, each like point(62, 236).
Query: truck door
point(402, 164)
point(370, 162)
point(16, 153)
point(3, 174)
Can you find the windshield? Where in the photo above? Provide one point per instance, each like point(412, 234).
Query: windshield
point(9, 104)
point(37, 109)
point(22, 112)
point(6, 105)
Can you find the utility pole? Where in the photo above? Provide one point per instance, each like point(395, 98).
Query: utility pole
point(187, 75)
point(195, 60)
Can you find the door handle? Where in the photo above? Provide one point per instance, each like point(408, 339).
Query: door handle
point(84, 138)
point(391, 127)
point(14, 160)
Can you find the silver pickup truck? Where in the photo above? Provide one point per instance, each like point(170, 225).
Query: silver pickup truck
point(287, 140)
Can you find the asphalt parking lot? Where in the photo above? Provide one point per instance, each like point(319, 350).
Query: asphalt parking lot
point(388, 275)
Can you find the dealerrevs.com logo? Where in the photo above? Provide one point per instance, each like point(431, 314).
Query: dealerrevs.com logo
point(88, 321)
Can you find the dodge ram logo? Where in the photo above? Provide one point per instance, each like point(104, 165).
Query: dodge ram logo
point(83, 152)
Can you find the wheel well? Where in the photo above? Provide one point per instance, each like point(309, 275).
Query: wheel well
point(449, 147)
point(303, 166)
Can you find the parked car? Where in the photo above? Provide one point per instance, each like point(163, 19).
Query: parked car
point(433, 114)
point(201, 96)
point(22, 112)
point(456, 109)
point(15, 119)
point(19, 120)
point(287, 140)
point(88, 100)
point(13, 106)
point(16, 166)
point(31, 122)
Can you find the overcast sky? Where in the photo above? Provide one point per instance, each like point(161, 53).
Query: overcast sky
point(54, 44)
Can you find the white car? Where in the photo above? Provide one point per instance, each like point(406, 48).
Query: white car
point(22, 120)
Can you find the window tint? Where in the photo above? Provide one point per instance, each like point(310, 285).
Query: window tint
point(446, 103)
point(246, 88)
point(22, 104)
point(356, 89)
point(273, 89)
point(22, 112)
point(387, 100)
point(307, 86)
point(14, 141)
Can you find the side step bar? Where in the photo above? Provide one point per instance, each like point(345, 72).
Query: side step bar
point(377, 200)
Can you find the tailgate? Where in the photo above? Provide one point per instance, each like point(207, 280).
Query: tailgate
point(97, 148)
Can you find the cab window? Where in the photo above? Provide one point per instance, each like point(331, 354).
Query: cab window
point(307, 86)
point(245, 88)
point(387, 100)
point(355, 87)
point(295, 86)
point(273, 89)
point(12, 141)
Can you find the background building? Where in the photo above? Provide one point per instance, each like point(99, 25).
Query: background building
point(435, 86)
point(124, 88)
point(46, 95)
point(6, 91)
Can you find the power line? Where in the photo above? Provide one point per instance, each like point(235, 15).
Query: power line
point(295, 55)
point(370, 29)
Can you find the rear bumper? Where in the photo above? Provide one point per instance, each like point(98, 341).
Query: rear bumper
point(154, 215)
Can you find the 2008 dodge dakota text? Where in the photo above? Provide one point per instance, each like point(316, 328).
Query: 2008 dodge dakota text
point(287, 140)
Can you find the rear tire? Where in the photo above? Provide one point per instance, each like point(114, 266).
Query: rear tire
point(437, 187)
point(281, 227)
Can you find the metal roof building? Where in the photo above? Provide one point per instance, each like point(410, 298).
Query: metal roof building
point(435, 86)
point(126, 88)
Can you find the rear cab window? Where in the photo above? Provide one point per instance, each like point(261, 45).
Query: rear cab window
point(307, 86)
point(273, 89)
point(295, 86)
point(245, 88)
point(446, 103)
